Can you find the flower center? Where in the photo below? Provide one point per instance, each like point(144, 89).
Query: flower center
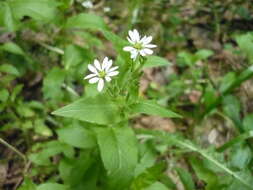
point(102, 74)
point(138, 46)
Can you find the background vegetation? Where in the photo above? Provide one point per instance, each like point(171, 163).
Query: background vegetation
point(204, 75)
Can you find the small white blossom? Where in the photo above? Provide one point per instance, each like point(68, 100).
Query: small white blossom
point(139, 45)
point(87, 4)
point(101, 72)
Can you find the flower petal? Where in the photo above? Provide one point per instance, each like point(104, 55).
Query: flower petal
point(113, 69)
point(147, 40)
point(92, 69)
point(113, 73)
point(143, 53)
point(100, 85)
point(131, 35)
point(105, 63)
point(131, 41)
point(108, 79)
point(97, 64)
point(136, 35)
point(90, 76)
point(148, 51)
point(128, 48)
point(109, 64)
point(94, 80)
point(150, 45)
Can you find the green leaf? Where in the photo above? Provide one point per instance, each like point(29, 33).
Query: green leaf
point(51, 186)
point(227, 81)
point(10, 69)
point(203, 54)
point(27, 185)
point(236, 140)
point(86, 21)
point(52, 84)
point(119, 154)
point(6, 17)
point(205, 174)
point(152, 108)
point(245, 43)
point(156, 186)
point(77, 136)
point(186, 179)
point(72, 56)
point(12, 48)
point(42, 10)
point(231, 107)
point(248, 122)
point(97, 109)
point(4, 94)
point(156, 61)
point(241, 156)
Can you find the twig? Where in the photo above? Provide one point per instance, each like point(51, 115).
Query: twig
point(13, 149)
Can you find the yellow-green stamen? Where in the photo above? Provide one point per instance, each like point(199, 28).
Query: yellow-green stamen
point(138, 46)
point(102, 74)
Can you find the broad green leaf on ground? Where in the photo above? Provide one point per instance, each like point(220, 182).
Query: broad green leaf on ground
point(231, 107)
point(43, 10)
point(156, 61)
point(186, 179)
point(205, 174)
point(227, 81)
point(12, 48)
point(27, 185)
point(50, 149)
point(211, 158)
point(152, 108)
point(51, 186)
point(157, 186)
point(97, 109)
point(86, 21)
point(118, 150)
point(4, 94)
point(73, 55)
point(10, 69)
point(241, 155)
point(248, 122)
point(203, 54)
point(245, 43)
point(77, 136)
point(52, 84)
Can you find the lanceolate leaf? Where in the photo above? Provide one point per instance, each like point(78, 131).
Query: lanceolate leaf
point(152, 108)
point(156, 61)
point(86, 21)
point(43, 10)
point(97, 109)
point(119, 154)
point(51, 186)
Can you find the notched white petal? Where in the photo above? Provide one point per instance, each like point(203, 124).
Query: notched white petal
point(108, 79)
point(113, 69)
point(100, 85)
point(128, 48)
point(94, 80)
point(90, 76)
point(105, 63)
point(97, 65)
point(109, 64)
point(148, 51)
point(113, 73)
point(150, 46)
point(92, 69)
point(136, 35)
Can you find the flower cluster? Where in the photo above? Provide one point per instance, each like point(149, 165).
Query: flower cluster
point(101, 72)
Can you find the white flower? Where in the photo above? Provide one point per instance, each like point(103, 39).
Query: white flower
point(139, 45)
point(101, 72)
point(87, 4)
